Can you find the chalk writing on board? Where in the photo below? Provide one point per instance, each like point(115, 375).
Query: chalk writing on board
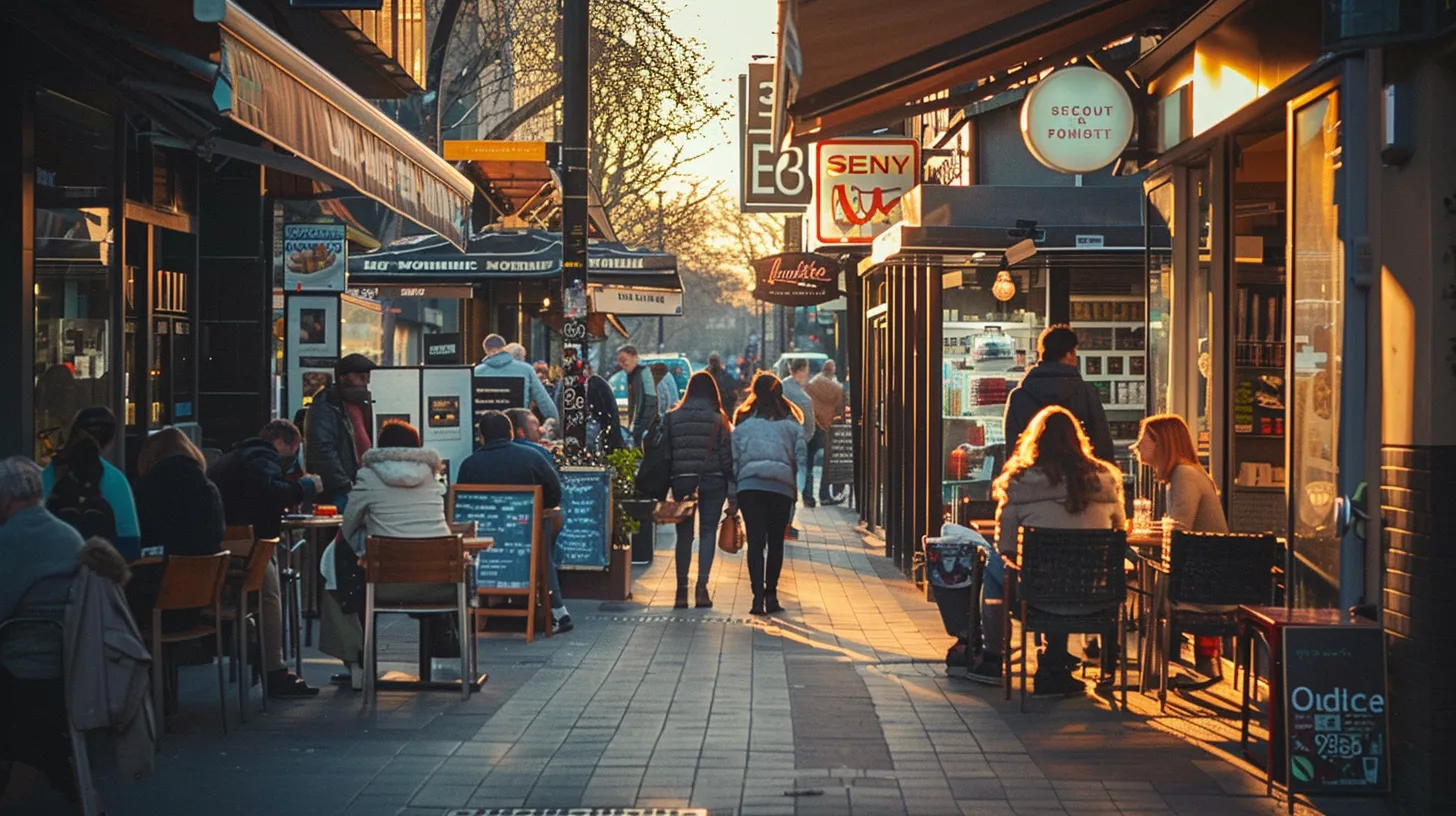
point(1336, 708)
point(509, 518)
point(586, 500)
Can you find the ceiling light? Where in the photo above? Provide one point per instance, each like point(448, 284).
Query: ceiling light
point(1004, 288)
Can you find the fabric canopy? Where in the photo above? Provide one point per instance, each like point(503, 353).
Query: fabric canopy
point(846, 65)
point(510, 255)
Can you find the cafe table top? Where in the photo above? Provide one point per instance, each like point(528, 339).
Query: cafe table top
point(312, 522)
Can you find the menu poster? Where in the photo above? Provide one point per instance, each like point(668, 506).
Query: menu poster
point(509, 514)
point(839, 455)
point(1336, 709)
point(444, 417)
point(586, 509)
point(497, 394)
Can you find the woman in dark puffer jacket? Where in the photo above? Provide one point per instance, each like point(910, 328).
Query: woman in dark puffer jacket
point(700, 447)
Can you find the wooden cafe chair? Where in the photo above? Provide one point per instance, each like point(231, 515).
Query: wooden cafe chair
point(189, 583)
point(239, 613)
point(415, 561)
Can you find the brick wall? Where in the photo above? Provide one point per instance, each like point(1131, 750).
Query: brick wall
point(1418, 507)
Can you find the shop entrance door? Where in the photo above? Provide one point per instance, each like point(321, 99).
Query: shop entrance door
point(1317, 326)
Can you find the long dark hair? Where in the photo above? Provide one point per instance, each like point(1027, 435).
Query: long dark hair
point(766, 400)
point(1055, 442)
point(703, 390)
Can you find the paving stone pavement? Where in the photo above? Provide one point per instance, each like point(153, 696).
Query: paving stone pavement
point(837, 706)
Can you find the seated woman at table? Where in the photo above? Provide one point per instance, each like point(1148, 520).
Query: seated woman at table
point(1053, 481)
point(396, 495)
point(180, 512)
point(1166, 445)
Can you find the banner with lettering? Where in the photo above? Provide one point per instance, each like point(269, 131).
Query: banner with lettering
point(796, 279)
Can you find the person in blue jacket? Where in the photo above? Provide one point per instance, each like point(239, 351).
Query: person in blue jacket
point(499, 363)
point(84, 463)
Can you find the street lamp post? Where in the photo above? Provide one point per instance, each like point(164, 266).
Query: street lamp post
point(575, 84)
point(660, 248)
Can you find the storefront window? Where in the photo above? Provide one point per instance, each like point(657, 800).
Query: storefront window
point(392, 330)
point(987, 346)
point(74, 290)
point(1162, 205)
point(1318, 265)
point(1201, 289)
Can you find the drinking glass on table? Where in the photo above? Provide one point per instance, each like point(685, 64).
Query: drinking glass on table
point(1142, 516)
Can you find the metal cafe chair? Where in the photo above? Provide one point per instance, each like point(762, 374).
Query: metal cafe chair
point(80, 758)
point(1209, 576)
point(240, 613)
point(1061, 569)
point(415, 561)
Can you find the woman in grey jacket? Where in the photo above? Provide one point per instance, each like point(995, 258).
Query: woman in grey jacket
point(700, 448)
point(768, 445)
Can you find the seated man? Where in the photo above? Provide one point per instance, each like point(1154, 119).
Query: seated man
point(254, 491)
point(37, 562)
point(527, 431)
point(504, 462)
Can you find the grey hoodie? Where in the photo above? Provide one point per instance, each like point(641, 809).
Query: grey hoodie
point(766, 455)
point(504, 365)
point(1058, 384)
point(801, 399)
point(1033, 501)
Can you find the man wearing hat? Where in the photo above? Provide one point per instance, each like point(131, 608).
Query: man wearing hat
point(339, 429)
point(499, 362)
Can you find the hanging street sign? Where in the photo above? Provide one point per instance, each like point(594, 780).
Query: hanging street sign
point(1077, 120)
point(857, 187)
point(796, 279)
point(770, 179)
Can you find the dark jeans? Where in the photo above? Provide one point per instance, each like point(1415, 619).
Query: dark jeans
point(816, 444)
point(765, 518)
point(712, 493)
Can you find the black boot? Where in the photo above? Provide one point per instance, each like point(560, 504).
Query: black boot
point(757, 608)
point(681, 601)
point(704, 600)
point(771, 602)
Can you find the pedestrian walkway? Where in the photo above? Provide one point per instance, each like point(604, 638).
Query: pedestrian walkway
point(837, 706)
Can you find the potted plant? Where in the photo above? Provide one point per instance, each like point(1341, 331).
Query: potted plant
point(633, 514)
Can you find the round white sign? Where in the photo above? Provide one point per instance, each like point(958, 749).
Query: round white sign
point(1077, 120)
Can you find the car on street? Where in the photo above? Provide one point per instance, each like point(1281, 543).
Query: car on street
point(816, 362)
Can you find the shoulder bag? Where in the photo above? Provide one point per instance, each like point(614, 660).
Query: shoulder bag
point(675, 510)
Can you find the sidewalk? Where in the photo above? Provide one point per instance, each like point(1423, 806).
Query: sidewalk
point(839, 705)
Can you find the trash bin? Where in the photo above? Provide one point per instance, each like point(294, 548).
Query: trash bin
point(954, 570)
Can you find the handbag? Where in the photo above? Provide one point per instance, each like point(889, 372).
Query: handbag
point(731, 534)
point(676, 511)
point(654, 473)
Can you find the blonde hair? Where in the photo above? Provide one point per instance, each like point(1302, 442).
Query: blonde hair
point(165, 444)
point(1055, 442)
point(1172, 444)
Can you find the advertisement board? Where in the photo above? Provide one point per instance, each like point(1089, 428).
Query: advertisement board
point(770, 179)
point(315, 257)
point(857, 187)
point(1077, 120)
point(796, 279)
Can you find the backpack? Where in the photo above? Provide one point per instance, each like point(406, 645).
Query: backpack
point(654, 475)
point(76, 497)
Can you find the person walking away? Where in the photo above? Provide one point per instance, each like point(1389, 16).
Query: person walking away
point(666, 385)
point(1055, 381)
point(396, 496)
point(256, 491)
point(504, 462)
point(794, 391)
point(603, 425)
point(498, 362)
point(727, 385)
point(85, 490)
point(768, 446)
point(38, 555)
point(339, 429)
point(1165, 444)
point(180, 512)
point(700, 449)
point(1054, 481)
point(641, 394)
point(828, 398)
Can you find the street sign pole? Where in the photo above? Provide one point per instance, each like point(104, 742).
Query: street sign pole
point(575, 96)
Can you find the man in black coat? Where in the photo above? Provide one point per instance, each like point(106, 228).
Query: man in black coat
point(340, 429)
point(1056, 381)
point(727, 386)
point(503, 462)
point(254, 491)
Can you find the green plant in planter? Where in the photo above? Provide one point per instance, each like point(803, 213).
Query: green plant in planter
point(624, 464)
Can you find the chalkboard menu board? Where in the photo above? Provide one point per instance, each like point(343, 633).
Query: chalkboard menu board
point(1336, 709)
point(586, 509)
point(511, 516)
point(497, 394)
point(839, 454)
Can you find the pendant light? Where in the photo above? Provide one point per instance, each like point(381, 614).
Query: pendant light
point(1004, 288)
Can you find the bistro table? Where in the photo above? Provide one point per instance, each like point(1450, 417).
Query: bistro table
point(305, 572)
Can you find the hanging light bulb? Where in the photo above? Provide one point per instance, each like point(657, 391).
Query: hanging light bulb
point(1004, 288)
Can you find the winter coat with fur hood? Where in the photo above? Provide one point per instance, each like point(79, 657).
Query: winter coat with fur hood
point(396, 495)
point(107, 666)
point(1033, 501)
